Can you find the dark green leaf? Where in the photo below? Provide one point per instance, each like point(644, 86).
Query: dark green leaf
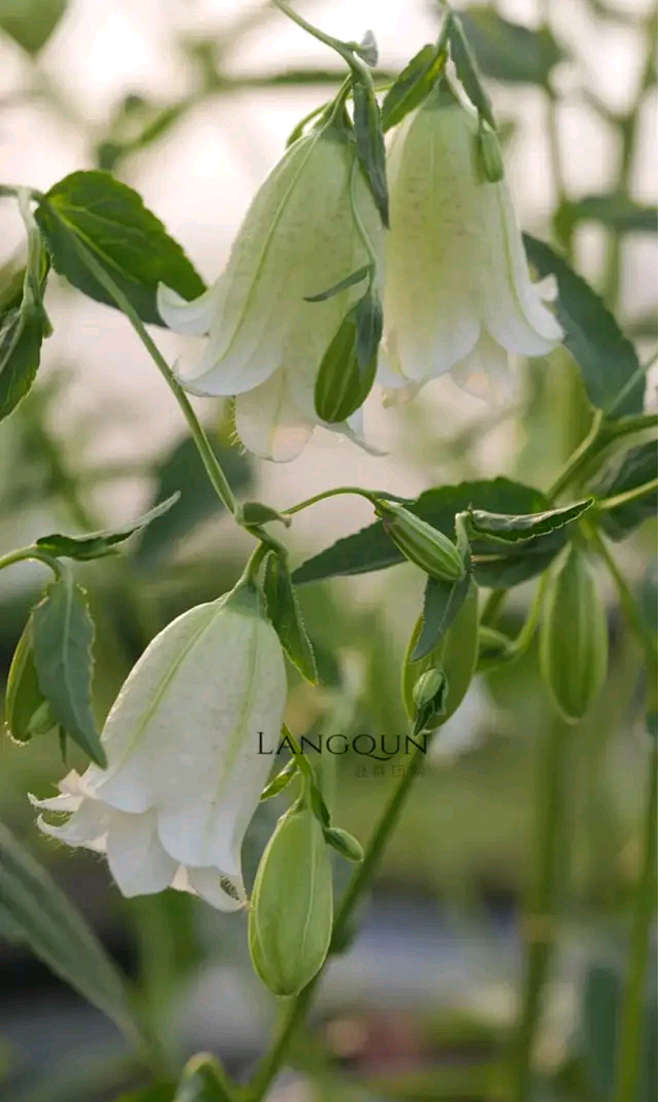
point(467, 70)
point(96, 544)
point(21, 335)
point(57, 933)
point(63, 633)
point(508, 51)
point(182, 471)
point(414, 83)
point(132, 245)
point(31, 22)
point(617, 211)
point(349, 281)
point(27, 712)
point(441, 604)
point(369, 328)
point(509, 529)
point(370, 144)
point(635, 468)
point(370, 549)
point(283, 610)
point(607, 361)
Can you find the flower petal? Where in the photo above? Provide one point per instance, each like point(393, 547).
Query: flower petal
point(136, 858)
point(223, 892)
point(269, 423)
point(193, 318)
point(513, 309)
point(485, 372)
point(87, 827)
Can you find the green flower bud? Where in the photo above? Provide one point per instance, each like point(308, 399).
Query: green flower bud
point(423, 545)
point(573, 638)
point(489, 156)
point(291, 912)
point(344, 843)
point(454, 658)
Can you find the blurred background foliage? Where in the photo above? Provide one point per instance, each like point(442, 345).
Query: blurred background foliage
point(190, 102)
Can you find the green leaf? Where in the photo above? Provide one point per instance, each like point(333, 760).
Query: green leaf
point(607, 361)
point(370, 549)
point(283, 610)
point(63, 633)
point(281, 781)
point(96, 544)
point(441, 604)
point(21, 335)
point(182, 470)
point(27, 712)
point(616, 211)
point(370, 144)
point(601, 1002)
point(467, 69)
point(635, 468)
point(31, 22)
point(369, 329)
point(58, 934)
point(510, 529)
point(508, 51)
point(133, 246)
point(349, 281)
point(414, 83)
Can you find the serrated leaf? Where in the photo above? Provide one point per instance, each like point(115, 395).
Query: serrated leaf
point(509, 529)
point(414, 83)
point(508, 51)
point(31, 22)
point(133, 246)
point(467, 69)
point(607, 361)
point(636, 467)
point(370, 549)
point(181, 470)
point(21, 337)
point(283, 610)
point(96, 544)
point(441, 603)
point(63, 633)
point(58, 934)
point(370, 144)
point(26, 710)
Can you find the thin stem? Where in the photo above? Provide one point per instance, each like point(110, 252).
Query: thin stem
point(632, 1027)
point(627, 498)
point(492, 607)
point(355, 63)
point(35, 553)
point(360, 881)
point(540, 920)
point(579, 458)
point(370, 496)
point(634, 618)
point(208, 457)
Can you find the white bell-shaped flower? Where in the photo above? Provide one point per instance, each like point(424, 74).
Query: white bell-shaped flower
point(298, 239)
point(457, 290)
point(184, 774)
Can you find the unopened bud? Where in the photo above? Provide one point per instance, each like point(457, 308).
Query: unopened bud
point(423, 545)
point(291, 911)
point(345, 844)
point(489, 156)
point(574, 638)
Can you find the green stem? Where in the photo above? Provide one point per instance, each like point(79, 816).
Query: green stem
point(579, 459)
point(208, 457)
point(27, 553)
point(632, 1028)
point(370, 495)
point(540, 918)
point(346, 52)
point(359, 883)
point(634, 618)
point(626, 498)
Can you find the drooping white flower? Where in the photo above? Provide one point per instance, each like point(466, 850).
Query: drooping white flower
point(184, 775)
point(266, 343)
point(457, 290)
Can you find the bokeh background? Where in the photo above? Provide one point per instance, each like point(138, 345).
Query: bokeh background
point(190, 102)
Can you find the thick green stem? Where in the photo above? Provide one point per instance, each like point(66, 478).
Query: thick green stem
point(631, 1032)
point(26, 553)
point(540, 918)
point(359, 883)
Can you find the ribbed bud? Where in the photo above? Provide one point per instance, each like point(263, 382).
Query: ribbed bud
point(423, 545)
point(291, 910)
point(574, 638)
